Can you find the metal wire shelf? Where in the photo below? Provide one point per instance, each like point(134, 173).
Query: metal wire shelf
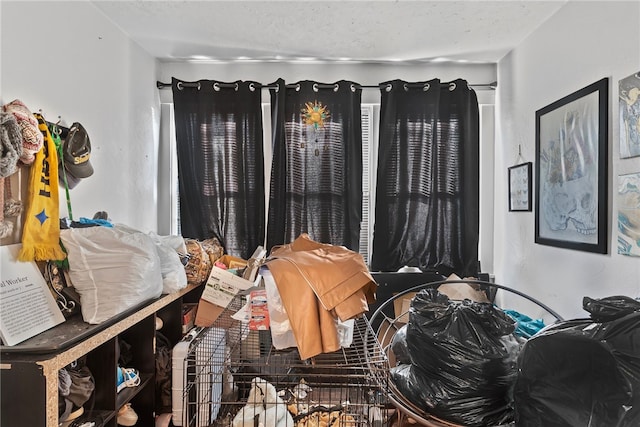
point(225, 358)
point(388, 324)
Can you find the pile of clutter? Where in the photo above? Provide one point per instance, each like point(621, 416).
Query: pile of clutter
point(267, 407)
point(263, 404)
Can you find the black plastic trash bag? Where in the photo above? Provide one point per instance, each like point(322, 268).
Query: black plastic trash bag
point(583, 372)
point(399, 346)
point(610, 308)
point(463, 360)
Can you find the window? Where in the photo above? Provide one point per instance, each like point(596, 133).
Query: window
point(168, 197)
point(368, 188)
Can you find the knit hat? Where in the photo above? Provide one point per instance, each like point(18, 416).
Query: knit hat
point(10, 144)
point(32, 139)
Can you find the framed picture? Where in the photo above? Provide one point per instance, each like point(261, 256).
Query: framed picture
point(571, 170)
point(629, 214)
point(520, 187)
point(629, 103)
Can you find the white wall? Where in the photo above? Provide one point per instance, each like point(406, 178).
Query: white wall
point(582, 43)
point(68, 60)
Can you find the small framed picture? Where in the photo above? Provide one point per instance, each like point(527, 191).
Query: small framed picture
point(629, 110)
point(520, 187)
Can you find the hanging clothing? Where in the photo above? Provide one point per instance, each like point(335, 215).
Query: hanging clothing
point(221, 163)
point(319, 284)
point(427, 194)
point(316, 174)
point(41, 228)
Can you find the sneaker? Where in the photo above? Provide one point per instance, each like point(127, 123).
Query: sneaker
point(127, 416)
point(75, 414)
point(94, 420)
point(127, 377)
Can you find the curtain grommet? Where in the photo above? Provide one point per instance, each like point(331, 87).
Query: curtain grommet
point(388, 88)
point(252, 87)
point(236, 87)
point(179, 86)
point(298, 87)
point(353, 87)
point(406, 87)
point(216, 87)
point(198, 85)
point(315, 87)
point(452, 86)
point(426, 87)
point(336, 87)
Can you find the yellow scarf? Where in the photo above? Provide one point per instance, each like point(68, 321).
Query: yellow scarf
point(41, 230)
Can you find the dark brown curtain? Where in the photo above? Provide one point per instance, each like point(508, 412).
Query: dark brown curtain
point(427, 194)
point(220, 162)
point(316, 175)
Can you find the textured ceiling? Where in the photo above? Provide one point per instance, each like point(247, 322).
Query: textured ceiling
point(370, 31)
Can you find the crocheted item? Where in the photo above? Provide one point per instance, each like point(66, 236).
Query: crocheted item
point(10, 144)
point(6, 228)
point(32, 138)
point(11, 208)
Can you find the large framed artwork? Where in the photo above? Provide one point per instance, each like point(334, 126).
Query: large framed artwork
point(629, 103)
point(571, 170)
point(629, 214)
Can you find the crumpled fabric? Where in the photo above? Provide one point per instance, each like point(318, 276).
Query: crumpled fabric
point(320, 284)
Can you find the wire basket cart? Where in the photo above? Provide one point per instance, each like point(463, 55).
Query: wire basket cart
point(388, 321)
point(213, 378)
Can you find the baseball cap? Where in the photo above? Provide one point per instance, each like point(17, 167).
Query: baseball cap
point(76, 152)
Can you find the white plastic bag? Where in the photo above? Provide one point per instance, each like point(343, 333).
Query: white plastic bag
point(281, 333)
point(112, 269)
point(174, 277)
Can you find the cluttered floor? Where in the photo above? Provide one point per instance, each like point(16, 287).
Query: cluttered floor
point(446, 363)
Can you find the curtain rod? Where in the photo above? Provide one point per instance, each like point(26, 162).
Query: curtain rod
point(161, 85)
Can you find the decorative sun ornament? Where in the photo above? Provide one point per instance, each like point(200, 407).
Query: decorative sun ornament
point(315, 114)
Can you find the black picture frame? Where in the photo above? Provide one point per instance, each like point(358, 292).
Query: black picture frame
point(629, 115)
point(571, 170)
point(520, 178)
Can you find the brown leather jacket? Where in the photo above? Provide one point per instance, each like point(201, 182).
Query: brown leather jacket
point(319, 283)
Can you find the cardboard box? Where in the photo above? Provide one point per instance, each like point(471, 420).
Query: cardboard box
point(401, 307)
point(207, 313)
point(222, 286)
point(188, 316)
point(232, 262)
point(220, 289)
